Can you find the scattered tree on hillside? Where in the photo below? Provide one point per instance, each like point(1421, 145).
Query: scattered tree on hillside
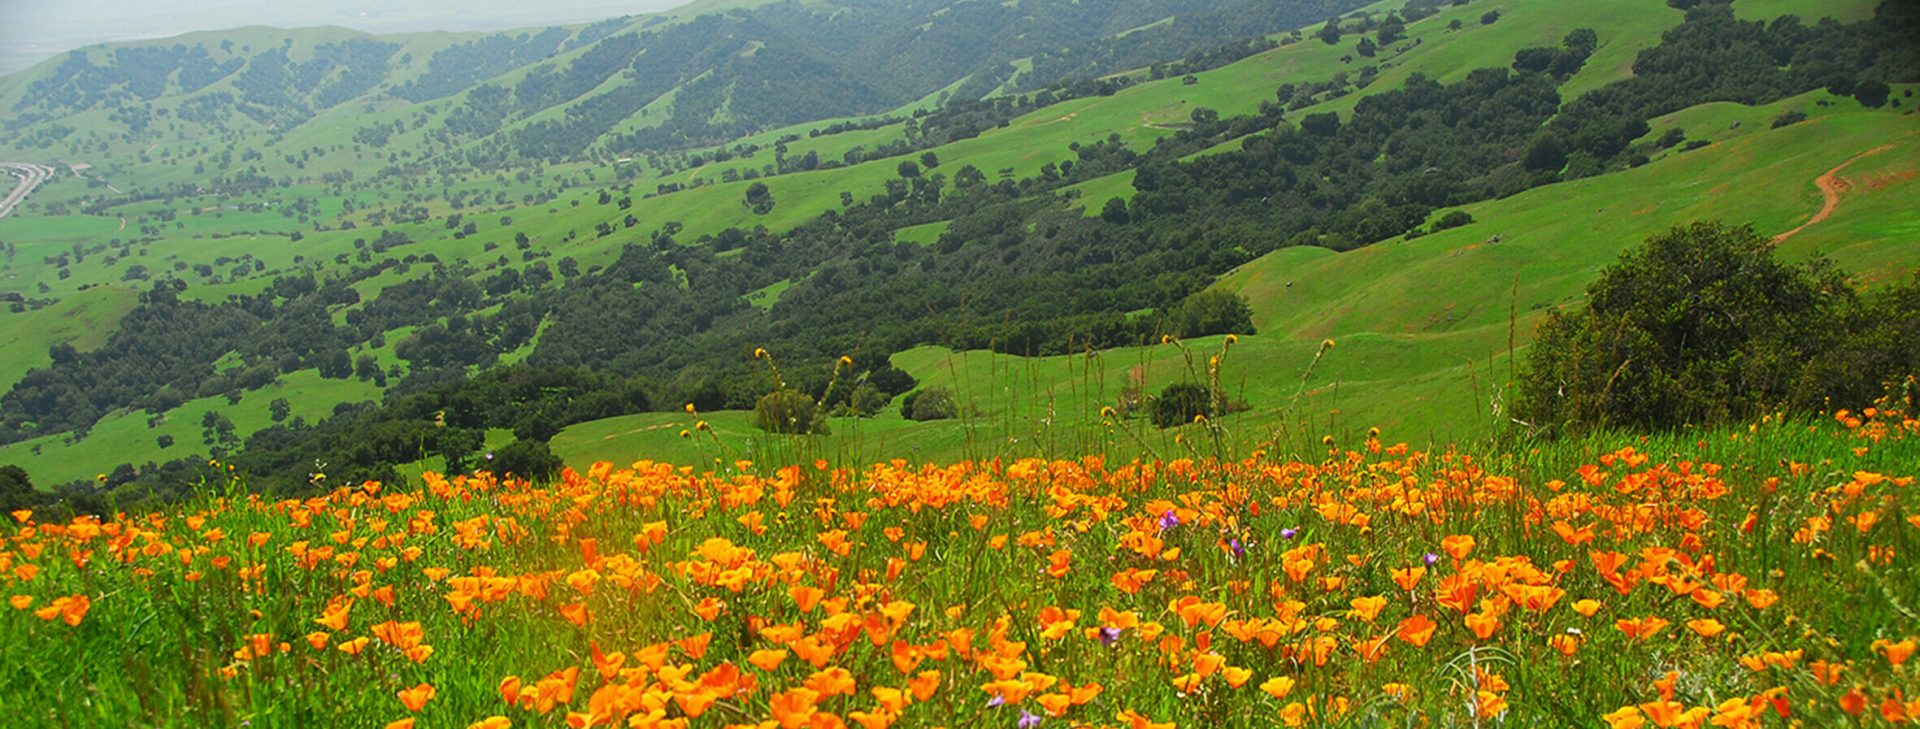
point(932, 403)
point(1211, 311)
point(788, 411)
point(1183, 402)
point(1871, 93)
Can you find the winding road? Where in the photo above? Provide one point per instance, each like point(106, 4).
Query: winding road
point(30, 176)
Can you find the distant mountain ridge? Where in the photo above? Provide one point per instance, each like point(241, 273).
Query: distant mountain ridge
point(702, 74)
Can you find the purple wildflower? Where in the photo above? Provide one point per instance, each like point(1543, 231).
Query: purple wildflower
point(1028, 720)
point(1239, 550)
point(1169, 520)
point(996, 701)
point(1288, 533)
point(1431, 558)
point(1109, 636)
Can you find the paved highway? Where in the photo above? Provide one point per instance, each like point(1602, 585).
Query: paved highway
point(30, 176)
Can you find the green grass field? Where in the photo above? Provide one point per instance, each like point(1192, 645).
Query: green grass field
point(83, 320)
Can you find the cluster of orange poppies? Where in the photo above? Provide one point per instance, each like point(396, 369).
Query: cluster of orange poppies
point(1371, 582)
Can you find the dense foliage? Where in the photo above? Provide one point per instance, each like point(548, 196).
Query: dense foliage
point(1703, 325)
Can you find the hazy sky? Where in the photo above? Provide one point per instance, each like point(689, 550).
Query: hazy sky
point(32, 30)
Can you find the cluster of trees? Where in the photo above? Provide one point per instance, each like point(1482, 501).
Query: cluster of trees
point(1703, 324)
point(732, 74)
point(1193, 34)
point(274, 90)
point(165, 351)
point(1714, 56)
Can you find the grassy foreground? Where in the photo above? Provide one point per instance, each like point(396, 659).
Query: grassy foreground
point(1755, 576)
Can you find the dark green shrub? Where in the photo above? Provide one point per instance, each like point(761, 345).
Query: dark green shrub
point(1181, 402)
point(528, 459)
point(1699, 324)
point(866, 400)
point(1453, 219)
point(1211, 311)
point(932, 403)
point(787, 411)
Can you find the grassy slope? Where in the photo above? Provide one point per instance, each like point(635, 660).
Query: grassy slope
point(83, 320)
point(125, 437)
point(1417, 358)
point(1140, 115)
point(1423, 360)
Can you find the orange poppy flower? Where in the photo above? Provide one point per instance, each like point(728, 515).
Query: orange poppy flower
point(1706, 627)
point(1573, 537)
point(1130, 580)
point(767, 659)
point(924, 684)
point(1408, 577)
point(70, 610)
point(1416, 630)
point(1641, 628)
point(1277, 687)
point(794, 708)
point(1187, 683)
point(806, 597)
point(1483, 624)
point(1206, 664)
point(417, 697)
point(1236, 676)
point(1625, 717)
point(1896, 653)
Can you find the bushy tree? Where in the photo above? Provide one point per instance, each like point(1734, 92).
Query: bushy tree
point(1453, 219)
point(1871, 93)
point(788, 411)
point(932, 403)
point(866, 400)
point(1181, 402)
point(1211, 311)
point(528, 459)
point(759, 198)
point(1699, 324)
point(16, 489)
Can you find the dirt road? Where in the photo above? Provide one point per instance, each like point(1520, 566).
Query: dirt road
point(1831, 185)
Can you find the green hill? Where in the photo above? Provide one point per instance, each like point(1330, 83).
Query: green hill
point(1420, 327)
